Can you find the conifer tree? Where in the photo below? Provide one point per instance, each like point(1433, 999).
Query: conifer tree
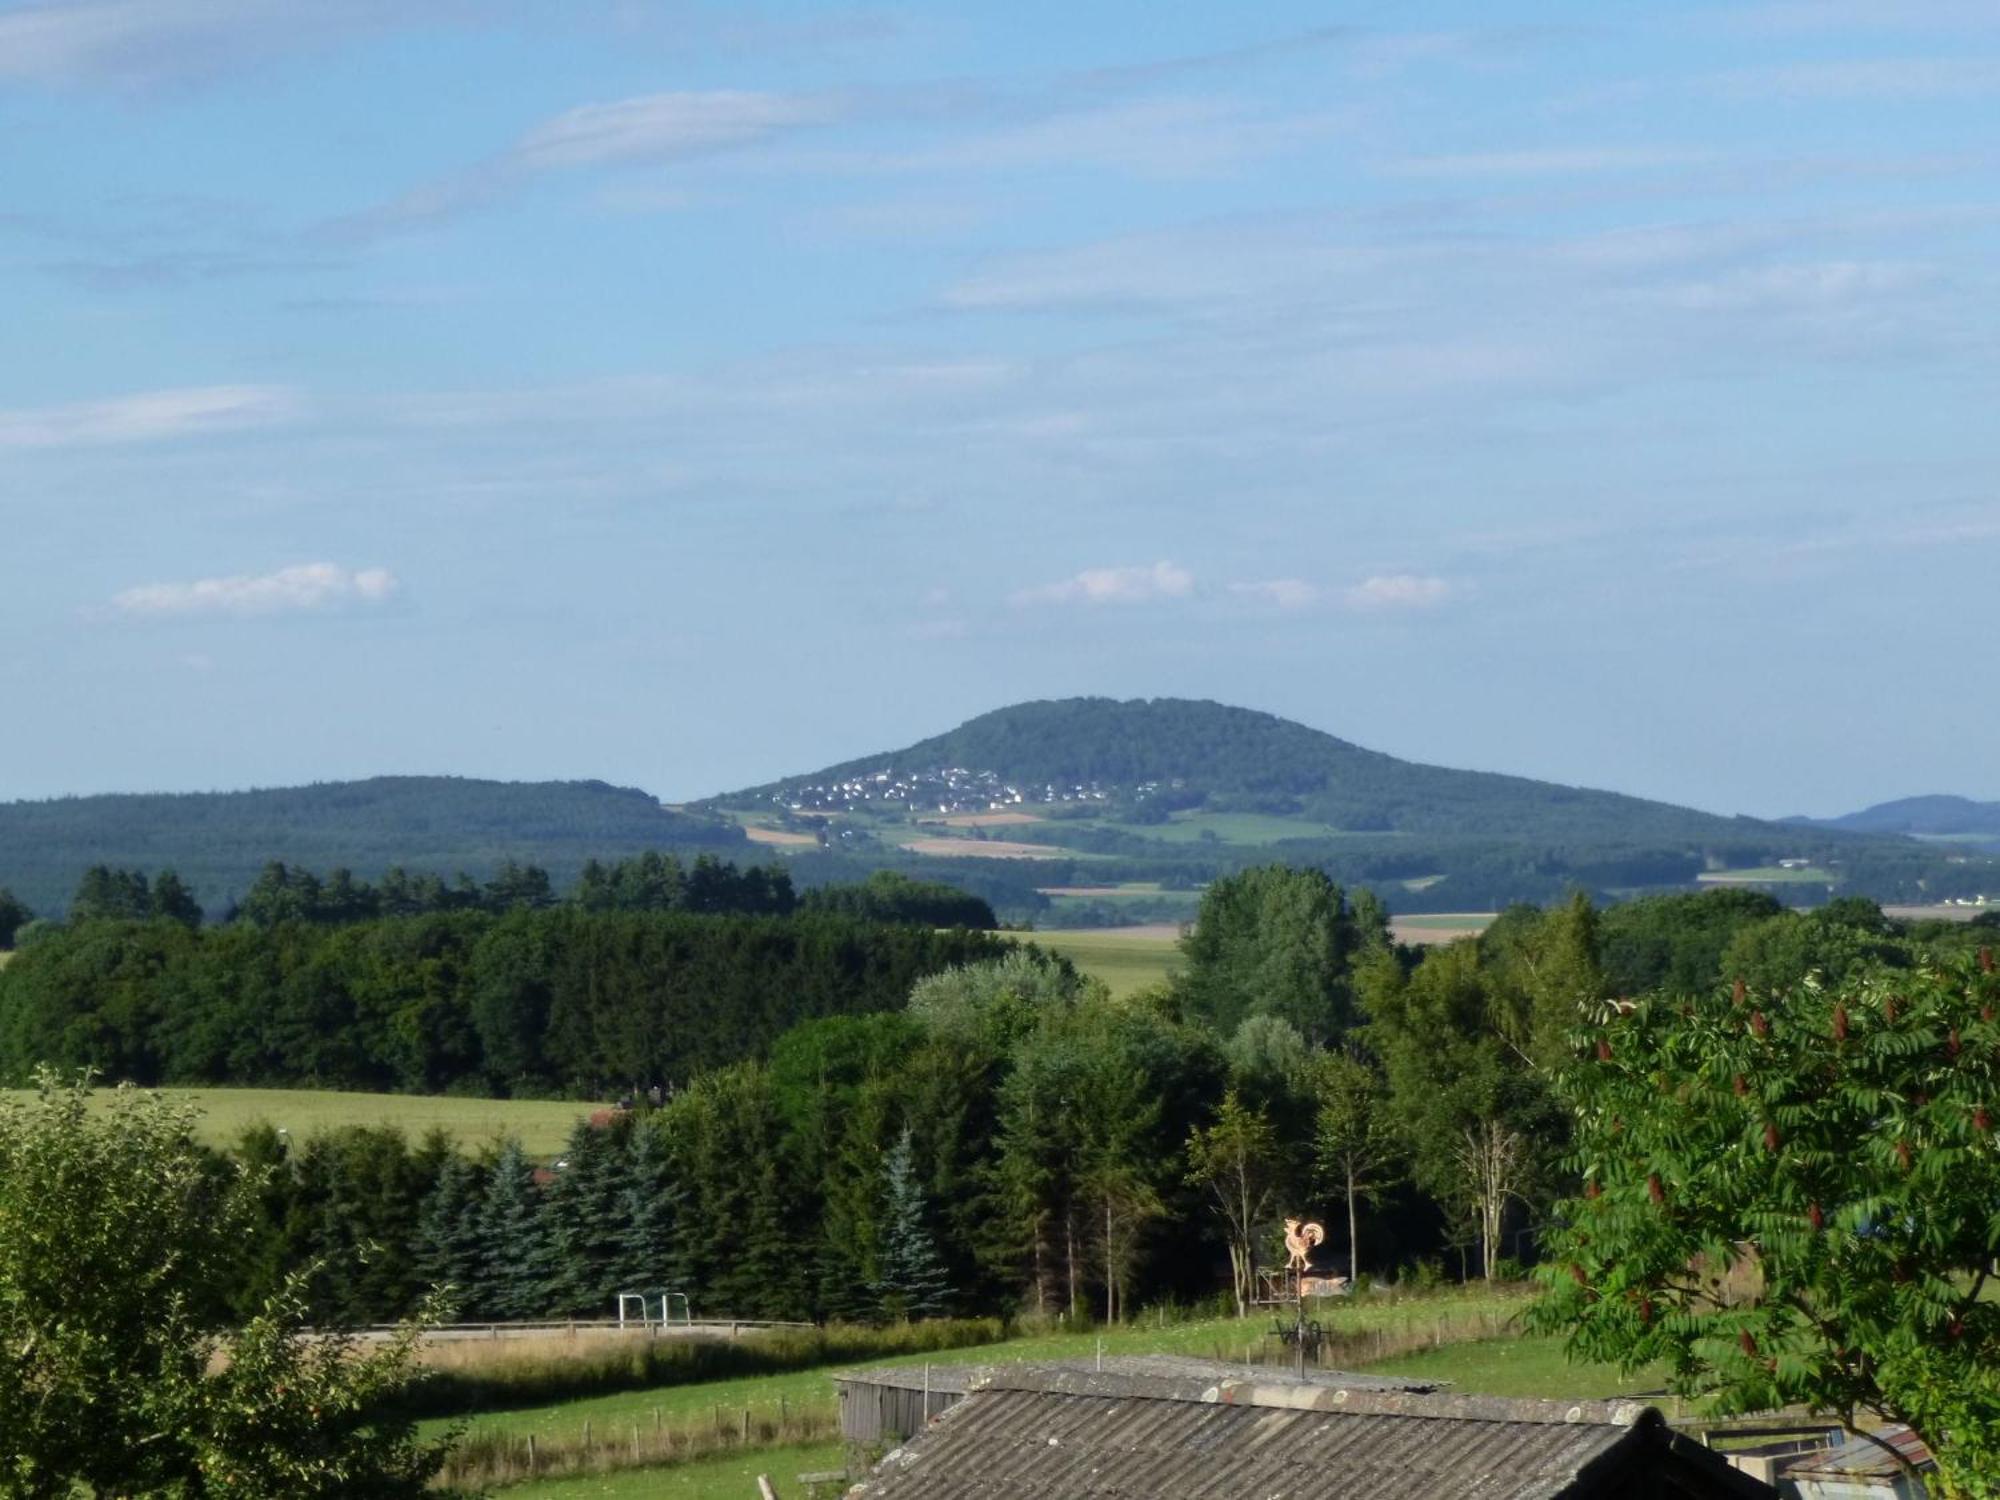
point(912, 1282)
point(518, 1263)
point(451, 1235)
point(582, 1212)
point(651, 1254)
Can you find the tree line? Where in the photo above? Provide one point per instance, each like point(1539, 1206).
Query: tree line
point(1064, 1150)
point(555, 1001)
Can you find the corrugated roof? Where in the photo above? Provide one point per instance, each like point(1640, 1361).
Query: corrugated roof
point(1066, 1434)
point(1861, 1458)
point(1198, 1374)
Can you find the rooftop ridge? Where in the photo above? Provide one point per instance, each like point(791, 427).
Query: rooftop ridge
point(1301, 1396)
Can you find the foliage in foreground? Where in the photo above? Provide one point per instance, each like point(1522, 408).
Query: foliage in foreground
point(119, 1373)
point(1789, 1196)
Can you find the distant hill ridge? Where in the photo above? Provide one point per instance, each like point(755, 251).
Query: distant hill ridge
point(218, 841)
point(1229, 758)
point(1936, 816)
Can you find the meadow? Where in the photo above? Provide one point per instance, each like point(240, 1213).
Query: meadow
point(1769, 875)
point(1125, 958)
point(1466, 1336)
point(542, 1124)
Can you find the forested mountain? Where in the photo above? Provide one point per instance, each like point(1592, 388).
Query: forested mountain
point(218, 841)
point(1933, 816)
point(1120, 799)
point(1195, 753)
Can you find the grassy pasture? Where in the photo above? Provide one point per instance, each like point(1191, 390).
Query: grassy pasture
point(1231, 828)
point(1531, 1366)
point(732, 1476)
point(542, 1124)
point(1464, 1336)
point(1125, 958)
point(1439, 926)
point(1455, 1314)
point(1769, 875)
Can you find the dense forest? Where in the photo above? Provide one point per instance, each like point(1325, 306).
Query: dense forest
point(956, 1128)
point(219, 841)
point(645, 972)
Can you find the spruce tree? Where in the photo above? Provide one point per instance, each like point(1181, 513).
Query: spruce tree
point(518, 1259)
point(651, 1256)
point(583, 1211)
point(912, 1283)
point(451, 1235)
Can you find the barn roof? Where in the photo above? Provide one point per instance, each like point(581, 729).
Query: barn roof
point(1197, 1375)
point(1861, 1458)
point(1052, 1433)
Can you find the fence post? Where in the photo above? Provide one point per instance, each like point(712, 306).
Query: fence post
point(746, 1424)
point(531, 1455)
point(586, 1434)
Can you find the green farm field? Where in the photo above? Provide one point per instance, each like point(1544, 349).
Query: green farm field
point(1480, 1353)
point(733, 1476)
point(1769, 875)
point(542, 1124)
point(1454, 1314)
point(1125, 958)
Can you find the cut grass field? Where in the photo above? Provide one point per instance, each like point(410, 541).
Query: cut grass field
point(1439, 926)
point(1453, 1314)
point(1769, 875)
point(542, 1124)
point(1471, 1337)
point(1125, 958)
point(1525, 1366)
point(732, 1476)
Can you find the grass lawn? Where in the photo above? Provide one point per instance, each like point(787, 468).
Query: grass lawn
point(541, 1124)
point(1525, 1366)
point(1124, 958)
point(1205, 1338)
point(731, 1477)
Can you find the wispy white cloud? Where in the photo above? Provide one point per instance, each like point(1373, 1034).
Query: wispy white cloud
point(142, 41)
point(1160, 137)
point(147, 416)
point(1282, 593)
point(1122, 585)
point(661, 127)
point(1546, 162)
point(302, 588)
point(1906, 78)
point(1397, 591)
point(651, 129)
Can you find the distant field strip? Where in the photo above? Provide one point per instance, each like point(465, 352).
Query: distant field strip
point(1125, 958)
point(1769, 875)
point(1439, 926)
point(780, 838)
point(542, 1124)
point(989, 849)
point(985, 820)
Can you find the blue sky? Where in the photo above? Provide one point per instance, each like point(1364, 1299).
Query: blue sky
point(685, 395)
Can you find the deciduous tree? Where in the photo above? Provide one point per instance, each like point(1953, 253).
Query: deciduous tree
point(1790, 1200)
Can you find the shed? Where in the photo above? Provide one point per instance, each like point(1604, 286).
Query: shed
point(1858, 1469)
point(888, 1403)
point(1064, 1434)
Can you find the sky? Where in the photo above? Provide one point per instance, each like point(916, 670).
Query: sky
point(687, 395)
